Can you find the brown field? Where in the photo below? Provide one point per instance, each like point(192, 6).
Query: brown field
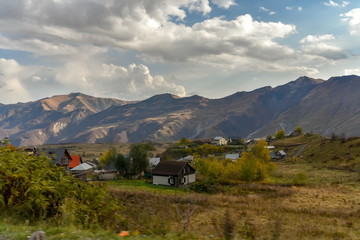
point(266, 212)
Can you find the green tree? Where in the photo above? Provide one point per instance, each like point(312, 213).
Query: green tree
point(280, 134)
point(122, 164)
point(299, 130)
point(139, 154)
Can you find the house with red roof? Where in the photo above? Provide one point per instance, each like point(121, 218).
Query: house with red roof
point(76, 161)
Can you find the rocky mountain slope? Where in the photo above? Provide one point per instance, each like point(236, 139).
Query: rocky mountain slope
point(319, 106)
point(44, 120)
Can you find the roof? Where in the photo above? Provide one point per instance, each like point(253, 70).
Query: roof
point(217, 138)
point(76, 161)
point(170, 168)
point(82, 167)
point(232, 156)
point(281, 152)
point(57, 154)
point(187, 158)
point(154, 161)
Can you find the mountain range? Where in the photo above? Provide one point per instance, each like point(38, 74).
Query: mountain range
point(318, 106)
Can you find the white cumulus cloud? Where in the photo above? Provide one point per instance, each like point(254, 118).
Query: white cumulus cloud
point(224, 3)
point(11, 86)
point(353, 19)
point(322, 46)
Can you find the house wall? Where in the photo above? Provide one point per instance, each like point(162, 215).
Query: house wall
point(190, 178)
point(221, 141)
point(107, 176)
point(161, 180)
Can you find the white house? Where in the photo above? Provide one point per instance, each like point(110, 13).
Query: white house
point(219, 141)
point(172, 173)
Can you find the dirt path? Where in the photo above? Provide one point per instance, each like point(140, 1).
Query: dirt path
point(301, 149)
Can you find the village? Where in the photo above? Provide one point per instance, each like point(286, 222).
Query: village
point(164, 169)
point(218, 188)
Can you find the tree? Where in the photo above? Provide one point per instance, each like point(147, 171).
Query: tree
point(299, 130)
point(139, 154)
point(122, 164)
point(261, 151)
point(280, 134)
point(256, 165)
point(269, 138)
point(108, 159)
point(184, 140)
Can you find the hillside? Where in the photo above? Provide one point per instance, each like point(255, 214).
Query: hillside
point(318, 106)
point(322, 152)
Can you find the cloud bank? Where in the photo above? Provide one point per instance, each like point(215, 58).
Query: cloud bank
point(73, 40)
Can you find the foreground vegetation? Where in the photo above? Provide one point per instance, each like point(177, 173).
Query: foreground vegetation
point(312, 194)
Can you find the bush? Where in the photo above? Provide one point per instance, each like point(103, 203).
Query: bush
point(204, 186)
point(32, 189)
point(300, 179)
point(254, 165)
point(280, 134)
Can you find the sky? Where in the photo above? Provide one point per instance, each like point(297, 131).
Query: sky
point(134, 49)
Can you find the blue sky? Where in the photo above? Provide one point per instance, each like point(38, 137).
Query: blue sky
point(134, 49)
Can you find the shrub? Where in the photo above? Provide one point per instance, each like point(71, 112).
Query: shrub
point(300, 179)
point(280, 134)
point(32, 189)
point(254, 165)
point(204, 186)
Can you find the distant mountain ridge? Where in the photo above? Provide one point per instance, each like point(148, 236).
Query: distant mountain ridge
point(318, 106)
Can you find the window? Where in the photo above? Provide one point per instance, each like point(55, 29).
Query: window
point(171, 180)
point(183, 180)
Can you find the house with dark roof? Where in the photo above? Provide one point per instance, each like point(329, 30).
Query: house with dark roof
point(60, 157)
point(173, 173)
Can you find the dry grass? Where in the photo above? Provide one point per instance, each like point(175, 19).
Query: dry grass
point(270, 212)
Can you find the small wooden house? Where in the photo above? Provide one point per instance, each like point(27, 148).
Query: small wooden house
point(59, 157)
point(172, 173)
